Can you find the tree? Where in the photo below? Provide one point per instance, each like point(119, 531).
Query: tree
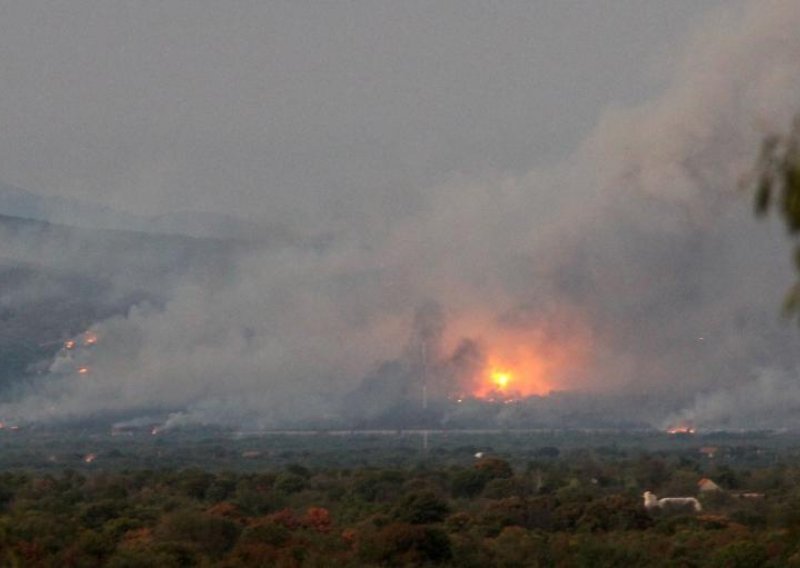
point(515, 547)
point(495, 468)
point(615, 512)
point(469, 482)
point(289, 483)
point(740, 554)
point(422, 508)
point(777, 188)
point(403, 544)
point(207, 534)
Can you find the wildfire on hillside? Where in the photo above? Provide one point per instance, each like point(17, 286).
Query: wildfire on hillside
point(520, 354)
point(685, 429)
point(524, 361)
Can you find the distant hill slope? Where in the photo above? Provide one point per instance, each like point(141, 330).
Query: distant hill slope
point(18, 202)
point(109, 252)
point(41, 307)
point(56, 280)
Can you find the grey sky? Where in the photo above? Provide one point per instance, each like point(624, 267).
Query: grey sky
point(535, 169)
point(311, 111)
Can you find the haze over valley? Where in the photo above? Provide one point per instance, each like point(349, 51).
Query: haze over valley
point(398, 216)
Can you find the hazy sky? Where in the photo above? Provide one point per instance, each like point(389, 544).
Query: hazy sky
point(312, 111)
point(557, 177)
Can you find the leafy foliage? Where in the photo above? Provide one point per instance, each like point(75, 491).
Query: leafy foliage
point(582, 508)
point(777, 188)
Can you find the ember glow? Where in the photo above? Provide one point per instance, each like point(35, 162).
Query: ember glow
point(505, 382)
point(501, 379)
point(514, 371)
point(69, 345)
point(681, 429)
point(83, 371)
point(525, 355)
point(89, 338)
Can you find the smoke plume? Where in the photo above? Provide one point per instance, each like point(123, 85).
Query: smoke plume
point(633, 269)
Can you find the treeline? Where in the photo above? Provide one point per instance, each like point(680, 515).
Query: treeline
point(551, 513)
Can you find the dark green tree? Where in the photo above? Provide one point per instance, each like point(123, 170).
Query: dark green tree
point(422, 508)
point(202, 532)
point(777, 189)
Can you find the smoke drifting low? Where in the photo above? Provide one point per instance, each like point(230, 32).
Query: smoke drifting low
point(631, 280)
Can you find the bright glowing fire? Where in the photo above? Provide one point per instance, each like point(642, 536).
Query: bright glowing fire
point(529, 357)
point(505, 382)
point(516, 372)
point(89, 338)
point(681, 429)
point(501, 379)
point(83, 371)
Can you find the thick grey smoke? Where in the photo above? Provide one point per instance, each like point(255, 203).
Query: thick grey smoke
point(640, 247)
point(770, 400)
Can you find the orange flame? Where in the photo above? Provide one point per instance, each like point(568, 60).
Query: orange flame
point(681, 429)
point(522, 356)
point(525, 376)
point(520, 366)
point(83, 371)
point(501, 379)
point(89, 338)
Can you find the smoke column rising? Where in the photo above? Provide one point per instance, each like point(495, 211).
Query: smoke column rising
point(639, 245)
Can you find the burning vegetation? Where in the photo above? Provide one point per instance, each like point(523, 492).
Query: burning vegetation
point(524, 360)
point(498, 386)
point(75, 355)
point(681, 430)
point(478, 364)
point(86, 339)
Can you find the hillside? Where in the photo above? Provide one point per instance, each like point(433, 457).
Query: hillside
point(57, 280)
point(29, 205)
